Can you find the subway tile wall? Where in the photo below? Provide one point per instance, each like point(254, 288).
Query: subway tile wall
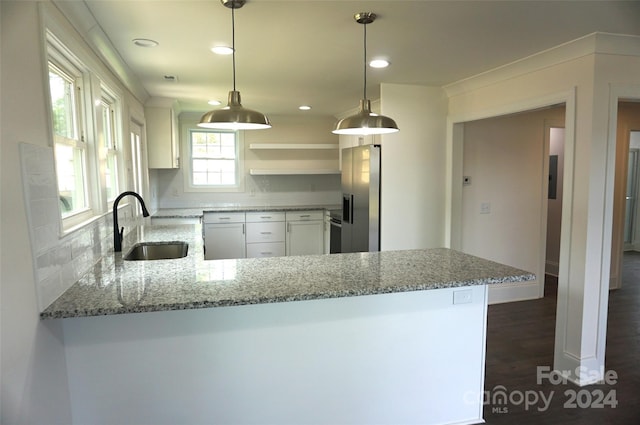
point(59, 260)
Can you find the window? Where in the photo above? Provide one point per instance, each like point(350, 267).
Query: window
point(87, 135)
point(69, 141)
point(214, 159)
point(110, 144)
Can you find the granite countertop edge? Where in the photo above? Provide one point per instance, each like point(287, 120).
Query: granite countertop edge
point(276, 299)
point(114, 286)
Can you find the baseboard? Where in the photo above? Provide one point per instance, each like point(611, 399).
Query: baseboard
point(510, 292)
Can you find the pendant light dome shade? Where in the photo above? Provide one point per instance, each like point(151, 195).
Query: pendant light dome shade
point(234, 116)
point(364, 122)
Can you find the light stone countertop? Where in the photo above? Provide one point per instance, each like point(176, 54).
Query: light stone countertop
point(198, 212)
point(116, 286)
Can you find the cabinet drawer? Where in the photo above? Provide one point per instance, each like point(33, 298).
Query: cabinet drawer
point(305, 215)
point(270, 249)
point(260, 217)
point(265, 232)
point(231, 217)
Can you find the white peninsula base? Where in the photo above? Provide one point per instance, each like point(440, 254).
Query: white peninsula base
point(401, 358)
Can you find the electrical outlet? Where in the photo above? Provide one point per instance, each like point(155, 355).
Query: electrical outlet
point(462, 296)
point(485, 208)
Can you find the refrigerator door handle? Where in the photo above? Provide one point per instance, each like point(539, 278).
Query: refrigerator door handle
point(351, 209)
point(347, 207)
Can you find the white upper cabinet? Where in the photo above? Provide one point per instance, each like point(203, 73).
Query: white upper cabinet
point(162, 137)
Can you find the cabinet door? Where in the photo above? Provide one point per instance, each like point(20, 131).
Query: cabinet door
point(162, 137)
point(223, 241)
point(305, 237)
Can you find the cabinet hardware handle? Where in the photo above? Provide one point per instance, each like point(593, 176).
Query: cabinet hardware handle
point(266, 253)
point(265, 216)
point(265, 233)
point(243, 228)
point(224, 218)
point(305, 215)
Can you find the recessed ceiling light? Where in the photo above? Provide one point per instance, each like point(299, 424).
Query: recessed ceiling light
point(379, 63)
point(214, 102)
point(304, 107)
point(222, 50)
point(145, 42)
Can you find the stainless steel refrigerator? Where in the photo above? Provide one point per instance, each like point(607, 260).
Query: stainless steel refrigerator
point(361, 199)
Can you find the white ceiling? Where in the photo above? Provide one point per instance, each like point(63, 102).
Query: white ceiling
point(293, 52)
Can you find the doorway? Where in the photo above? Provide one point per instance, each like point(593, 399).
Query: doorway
point(554, 142)
point(626, 222)
point(631, 196)
point(505, 193)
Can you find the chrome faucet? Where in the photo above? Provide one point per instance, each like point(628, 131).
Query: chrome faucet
point(118, 233)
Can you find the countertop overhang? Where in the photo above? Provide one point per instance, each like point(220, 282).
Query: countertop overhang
point(117, 286)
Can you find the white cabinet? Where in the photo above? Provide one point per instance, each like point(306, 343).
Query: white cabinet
point(224, 236)
point(162, 137)
point(305, 232)
point(265, 234)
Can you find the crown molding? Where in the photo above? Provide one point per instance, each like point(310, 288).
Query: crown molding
point(594, 43)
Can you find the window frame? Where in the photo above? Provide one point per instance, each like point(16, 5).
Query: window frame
point(112, 141)
point(189, 186)
point(67, 66)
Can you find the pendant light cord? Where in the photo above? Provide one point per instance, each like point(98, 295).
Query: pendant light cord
point(365, 62)
point(233, 44)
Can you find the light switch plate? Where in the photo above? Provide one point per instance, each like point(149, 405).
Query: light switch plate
point(485, 208)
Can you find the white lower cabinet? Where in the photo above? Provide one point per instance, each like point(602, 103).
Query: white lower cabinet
point(224, 236)
point(263, 234)
point(305, 232)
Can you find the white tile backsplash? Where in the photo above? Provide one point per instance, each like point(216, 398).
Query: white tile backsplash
point(59, 260)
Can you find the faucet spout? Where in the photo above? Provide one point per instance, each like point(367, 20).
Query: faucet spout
point(117, 232)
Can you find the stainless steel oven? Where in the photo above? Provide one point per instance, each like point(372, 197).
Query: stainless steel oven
point(335, 236)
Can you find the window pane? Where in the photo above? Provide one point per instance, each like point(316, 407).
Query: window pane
point(63, 105)
point(112, 176)
point(108, 126)
point(71, 186)
point(213, 158)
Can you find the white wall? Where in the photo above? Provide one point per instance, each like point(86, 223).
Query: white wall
point(505, 159)
point(33, 369)
point(413, 167)
point(263, 190)
point(38, 261)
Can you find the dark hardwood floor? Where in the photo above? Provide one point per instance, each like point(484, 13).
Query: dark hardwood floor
point(520, 337)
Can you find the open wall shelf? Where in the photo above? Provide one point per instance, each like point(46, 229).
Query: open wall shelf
point(290, 172)
point(293, 146)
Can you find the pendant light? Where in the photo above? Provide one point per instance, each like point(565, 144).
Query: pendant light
point(365, 122)
point(234, 116)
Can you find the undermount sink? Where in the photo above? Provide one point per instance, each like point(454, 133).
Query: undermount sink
point(157, 251)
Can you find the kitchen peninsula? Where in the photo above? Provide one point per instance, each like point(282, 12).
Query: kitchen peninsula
point(386, 337)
